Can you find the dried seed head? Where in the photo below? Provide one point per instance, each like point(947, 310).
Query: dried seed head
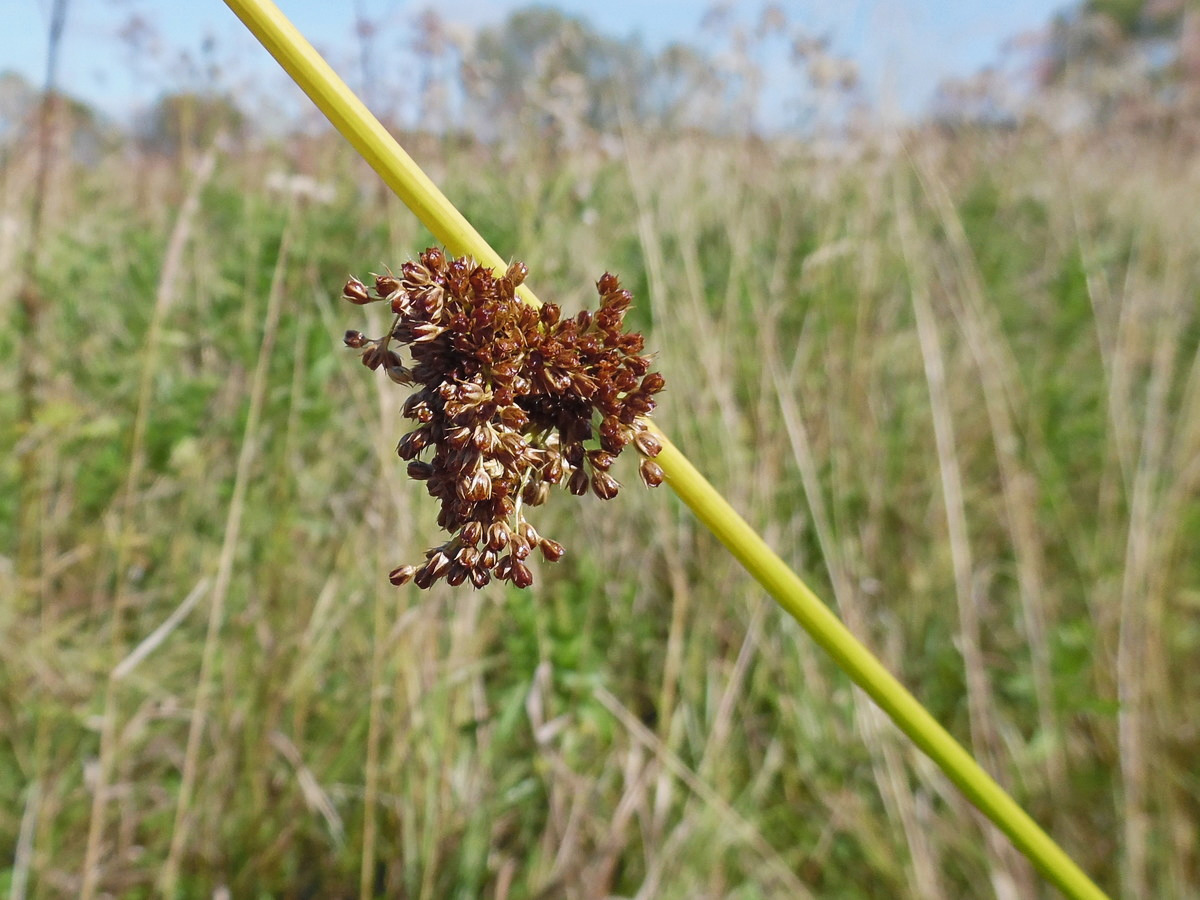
point(511, 399)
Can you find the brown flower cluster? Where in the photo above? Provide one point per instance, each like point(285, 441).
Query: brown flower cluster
point(511, 399)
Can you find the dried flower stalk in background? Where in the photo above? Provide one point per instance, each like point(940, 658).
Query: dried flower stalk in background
point(510, 400)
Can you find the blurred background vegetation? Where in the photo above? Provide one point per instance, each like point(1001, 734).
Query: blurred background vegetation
point(950, 370)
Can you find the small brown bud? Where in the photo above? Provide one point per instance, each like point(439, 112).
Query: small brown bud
point(618, 301)
point(503, 569)
point(434, 259)
point(400, 374)
point(536, 493)
point(356, 292)
point(457, 575)
point(385, 285)
point(373, 358)
point(552, 551)
point(477, 486)
point(651, 473)
point(519, 547)
point(420, 471)
point(653, 383)
point(517, 272)
point(607, 284)
point(578, 485)
point(601, 459)
point(480, 577)
point(550, 313)
point(439, 564)
point(497, 536)
point(605, 486)
point(402, 575)
point(522, 577)
point(413, 443)
point(424, 577)
point(472, 533)
point(647, 443)
point(355, 339)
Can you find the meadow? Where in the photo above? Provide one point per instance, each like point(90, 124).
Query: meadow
point(953, 379)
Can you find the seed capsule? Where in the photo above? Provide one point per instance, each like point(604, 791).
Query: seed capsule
point(651, 473)
point(517, 272)
point(420, 471)
point(402, 575)
point(522, 577)
point(356, 292)
point(552, 551)
point(605, 486)
point(647, 443)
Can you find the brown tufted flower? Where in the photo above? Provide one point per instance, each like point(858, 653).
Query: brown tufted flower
point(509, 401)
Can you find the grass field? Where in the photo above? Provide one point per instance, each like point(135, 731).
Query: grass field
point(956, 384)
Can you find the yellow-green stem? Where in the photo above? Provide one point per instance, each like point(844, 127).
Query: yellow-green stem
point(371, 139)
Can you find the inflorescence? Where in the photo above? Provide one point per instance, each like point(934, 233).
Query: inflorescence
point(511, 399)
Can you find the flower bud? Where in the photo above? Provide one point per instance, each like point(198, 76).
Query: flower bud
point(434, 259)
point(651, 473)
point(578, 485)
point(522, 577)
point(497, 536)
point(356, 292)
point(607, 284)
point(472, 533)
point(413, 443)
point(552, 551)
point(385, 285)
point(355, 339)
point(402, 575)
point(400, 374)
point(420, 471)
point(517, 272)
point(605, 486)
point(477, 486)
point(647, 443)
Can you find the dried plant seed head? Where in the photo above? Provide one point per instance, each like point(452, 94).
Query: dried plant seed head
point(510, 400)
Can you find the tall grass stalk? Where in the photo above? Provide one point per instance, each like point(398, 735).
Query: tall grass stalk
point(356, 123)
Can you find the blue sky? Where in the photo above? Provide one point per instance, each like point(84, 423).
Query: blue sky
point(902, 47)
